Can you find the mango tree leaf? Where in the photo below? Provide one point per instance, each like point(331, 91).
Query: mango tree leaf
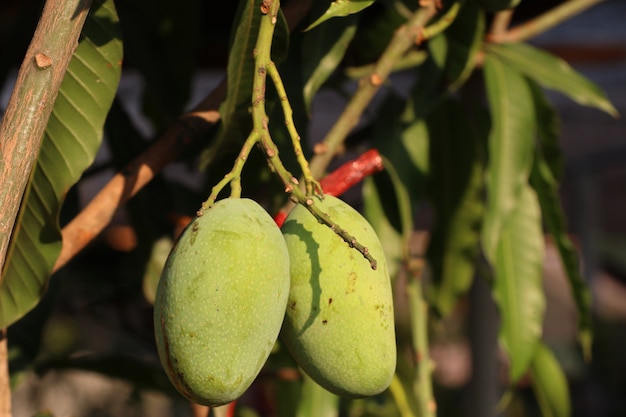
point(451, 60)
point(403, 143)
point(550, 384)
point(518, 283)
point(72, 138)
point(322, 51)
point(464, 41)
point(456, 192)
point(236, 121)
point(553, 73)
point(390, 238)
point(544, 180)
point(240, 69)
point(511, 145)
point(341, 8)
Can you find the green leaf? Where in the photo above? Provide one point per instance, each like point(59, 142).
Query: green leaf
point(236, 121)
point(72, 138)
point(464, 38)
point(518, 284)
point(161, 40)
point(322, 51)
point(511, 145)
point(553, 73)
point(544, 181)
point(550, 384)
point(240, 70)
point(456, 192)
point(403, 144)
point(317, 401)
point(451, 60)
point(341, 8)
point(391, 239)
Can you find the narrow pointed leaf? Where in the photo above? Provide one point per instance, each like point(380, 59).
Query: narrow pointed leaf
point(236, 121)
point(545, 172)
point(553, 73)
point(341, 8)
point(518, 284)
point(451, 60)
point(456, 192)
point(511, 145)
point(464, 41)
point(390, 238)
point(550, 384)
point(323, 50)
point(240, 71)
point(70, 143)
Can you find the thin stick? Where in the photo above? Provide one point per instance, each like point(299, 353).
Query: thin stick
point(545, 21)
point(24, 122)
point(500, 24)
point(403, 40)
point(190, 128)
point(31, 103)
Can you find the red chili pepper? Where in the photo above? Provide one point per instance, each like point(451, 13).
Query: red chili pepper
point(345, 177)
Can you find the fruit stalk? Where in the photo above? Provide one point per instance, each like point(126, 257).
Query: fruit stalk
point(234, 176)
point(311, 185)
point(261, 128)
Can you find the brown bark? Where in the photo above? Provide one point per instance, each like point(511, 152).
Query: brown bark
point(24, 123)
point(125, 184)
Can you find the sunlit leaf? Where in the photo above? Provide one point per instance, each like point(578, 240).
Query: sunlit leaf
point(404, 144)
point(464, 41)
point(550, 384)
point(511, 145)
point(553, 73)
point(390, 238)
point(236, 121)
point(72, 138)
point(322, 51)
point(518, 283)
point(456, 192)
point(341, 8)
point(544, 181)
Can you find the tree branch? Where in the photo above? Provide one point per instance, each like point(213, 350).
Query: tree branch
point(402, 41)
point(544, 22)
point(187, 130)
point(24, 122)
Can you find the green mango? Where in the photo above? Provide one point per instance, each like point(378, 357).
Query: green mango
point(221, 300)
point(339, 324)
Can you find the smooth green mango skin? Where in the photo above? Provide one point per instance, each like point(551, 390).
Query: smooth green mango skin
point(339, 324)
point(221, 301)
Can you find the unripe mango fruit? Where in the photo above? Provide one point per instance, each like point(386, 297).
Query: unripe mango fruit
point(221, 300)
point(339, 324)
